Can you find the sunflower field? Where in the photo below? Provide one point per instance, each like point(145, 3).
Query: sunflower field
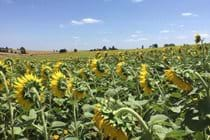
point(146, 94)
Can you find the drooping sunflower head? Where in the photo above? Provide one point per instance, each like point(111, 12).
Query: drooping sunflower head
point(143, 79)
point(197, 38)
point(97, 68)
point(1, 84)
point(60, 85)
point(9, 61)
point(120, 70)
point(30, 66)
point(106, 127)
point(45, 72)
point(28, 90)
point(171, 76)
point(3, 67)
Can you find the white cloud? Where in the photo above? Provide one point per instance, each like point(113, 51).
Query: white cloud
point(164, 31)
point(86, 21)
point(188, 14)
point(137, 1)
point(204, 35)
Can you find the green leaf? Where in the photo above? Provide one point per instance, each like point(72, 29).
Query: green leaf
point(17, 131)
point(71, 138)
point(176, 109)
point(57, 124)
point(177, 134)
point(157, 119)
point(161, 131)
point(32, 114)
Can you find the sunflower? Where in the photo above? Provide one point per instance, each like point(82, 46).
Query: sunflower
point(45, 71)
point(197, 38)
point(1, 84)
point(172, 77)
point(3, 67)
point(57, 66)
point(97, 68)
point(120, 70)
point(143, 79)
point(23, 90)
point(106, 127)
point(60, 85)
point(78, 95)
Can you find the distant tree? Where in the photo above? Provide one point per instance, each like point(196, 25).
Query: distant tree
point(22, 50)
point(104, 48)
point(154, 46)
point(75, 50)
point(142, 47)
point(6, 49)
point(62, 50)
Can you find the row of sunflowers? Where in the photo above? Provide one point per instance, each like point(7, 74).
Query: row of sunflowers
point(143, 94)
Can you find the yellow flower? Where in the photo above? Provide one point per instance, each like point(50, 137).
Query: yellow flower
point(78, 95)
point(119, 69)
point(65, 132)
point(3, 67)
point(57, 66)
point(1, 85)
point(143, 79)
point(94, 65)
point(107, 128)
point(45, 70)
point(56, 137)
point(172, 77)
point(23, 86)
point(60, 85)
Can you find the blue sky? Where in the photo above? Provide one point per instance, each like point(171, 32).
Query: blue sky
point(86, 24)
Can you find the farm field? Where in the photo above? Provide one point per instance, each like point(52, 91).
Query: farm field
point(159, 94)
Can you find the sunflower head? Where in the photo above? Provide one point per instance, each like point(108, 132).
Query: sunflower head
point(45, 71)
point(197, 38)
point(143, 79)
point(105, 126)
point(9, 61)
point(25, 87)
point(4, 68)
point(97, 68)
point(60, 85)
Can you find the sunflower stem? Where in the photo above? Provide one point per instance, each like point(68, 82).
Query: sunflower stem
point(137, 116)
point(10, 105)
point(42, 114)
point(75, 119)
point(203, 82)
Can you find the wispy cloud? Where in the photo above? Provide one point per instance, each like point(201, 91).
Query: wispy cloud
point(189, 14)
point(137, 1)
point(204, 35)
point(134, 35)
point(136, 39)
point(164, 31)
point(181, 37)
point(86, 21)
